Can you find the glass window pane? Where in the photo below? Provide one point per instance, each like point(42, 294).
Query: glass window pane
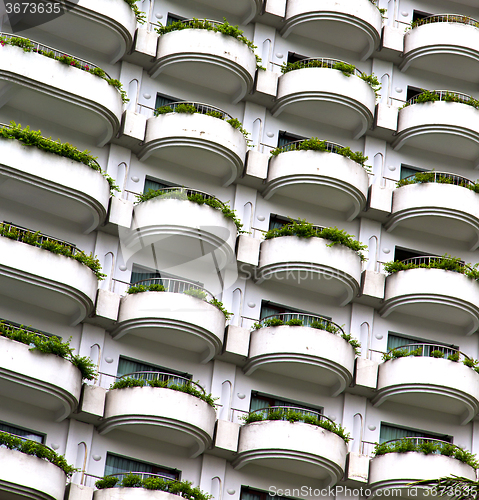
point(17, 431)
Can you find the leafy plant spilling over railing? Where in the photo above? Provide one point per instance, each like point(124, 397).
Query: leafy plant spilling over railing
point(445, 262)
point(346, 69)
point(48, 345)
point(165, 381)
point(426, 446)
point(186, 194)
point(53, 245)
point(205, 24)
point(315, 144)
point(307, 320)
point(442, 95)
point(445, 18)
point(35, 449)
point(304, 229)
point(152, 482)
point(177, 286)
point(140, 16)
point(439, 178)
point(32, 46)
point(34, 138)
point(293, 414)
point(191, 108)
point(375, 3)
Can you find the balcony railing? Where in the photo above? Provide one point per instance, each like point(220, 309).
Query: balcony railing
point(307, 320)
point(282, 413)
point(426, 350)
point(91, 479)
point(204, 109)
point(438, 177)
point(318, 62)
point(54, 53)
point(442, 95)
point(332, 147)
point(168, 378)
point(174, 286)
point(10, 326)
point(182, 193)
point(446, 18)
point(23, 232)
point(427, 260)
point(418, 441)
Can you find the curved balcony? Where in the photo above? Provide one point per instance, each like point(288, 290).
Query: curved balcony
point(41, 278)
point(448, 297)
point(173, 318)
point(318, 353)
point(207, 59)
point(296, 448)
point(445, 128)
point(423, 378)
point(355, 26)
point(399, 470)
point(70, 97)
point(312, 265)
point(53, 184)
point(181, 230)
point(447, 44)
point(33, 377)
point(326, 95)
point(161, 414)
point(437, 204)
point(319, 178)
point(198, 142)
point(44, 481)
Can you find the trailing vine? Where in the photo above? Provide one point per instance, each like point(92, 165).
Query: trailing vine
point(140, 16)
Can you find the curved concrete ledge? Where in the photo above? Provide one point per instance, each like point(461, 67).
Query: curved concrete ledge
point(312, 265)
point(57, 283)
point(447, 48)
point(434, 294)
point(326, 95)
point(161, 414)
point(34, 378)
point(198, 142)
point(70, 97)
point(302, 353)
point(44, 480)
point(436, 384)
point(444, 209)
point(399, 470)
point(448, 128)
point(207, 59)
point(173, 319)
point(321, 178)
point(296, 448)
point(354, 26)
point(53, 184)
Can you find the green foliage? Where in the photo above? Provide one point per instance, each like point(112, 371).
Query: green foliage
point(273, 322)
point(433, 96)
point(132, 481)
point(426, 177)
point(185, 108)
point(28, 46)
point(146, 288)
point(186, 387)
point(304, 229)
point(36, 449)
point(226, 29)
point(454, 357)
point(195, 292)
point(106, 482)
point(445, 262)
point(221, 307)
point(436, 354)
point(295, 416)
point(406, 445)
point(49, 345)
point(471, 363)
point(345, 68)
point(140, 16)
point(34, 138)
point(294, 322)
point(315, 144)
point(215, 114)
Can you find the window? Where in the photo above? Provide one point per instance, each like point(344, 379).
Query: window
point(293, 57)
point(285, 138)
point(405, 253)
point(418, 14)
point(260, 401)
point(155, 184)
point(164, 100)
point(139, 273)
point(248, 493)
point(23, 433)
point(126, 365)
point(412, 92)
point(277, 222)
point(173, 18)
point(117, 465)
point(270, 309)
point(27, 328)
point(389, 432)
point(407, 170)
point(395, 340)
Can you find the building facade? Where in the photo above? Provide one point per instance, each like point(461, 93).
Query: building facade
point(262, 351)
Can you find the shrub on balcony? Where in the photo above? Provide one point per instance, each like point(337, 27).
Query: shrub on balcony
point(433, 96)
point(203, 24)
point(406, 445)
point(315, 144)
point(37, 450)
point(34, 138)
point(295, 416)
point(187, 388)
point(437, 177)
point(140, 16)
point(49, 345)
point(304, 229)
point(183, 488)
point(34, 239)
